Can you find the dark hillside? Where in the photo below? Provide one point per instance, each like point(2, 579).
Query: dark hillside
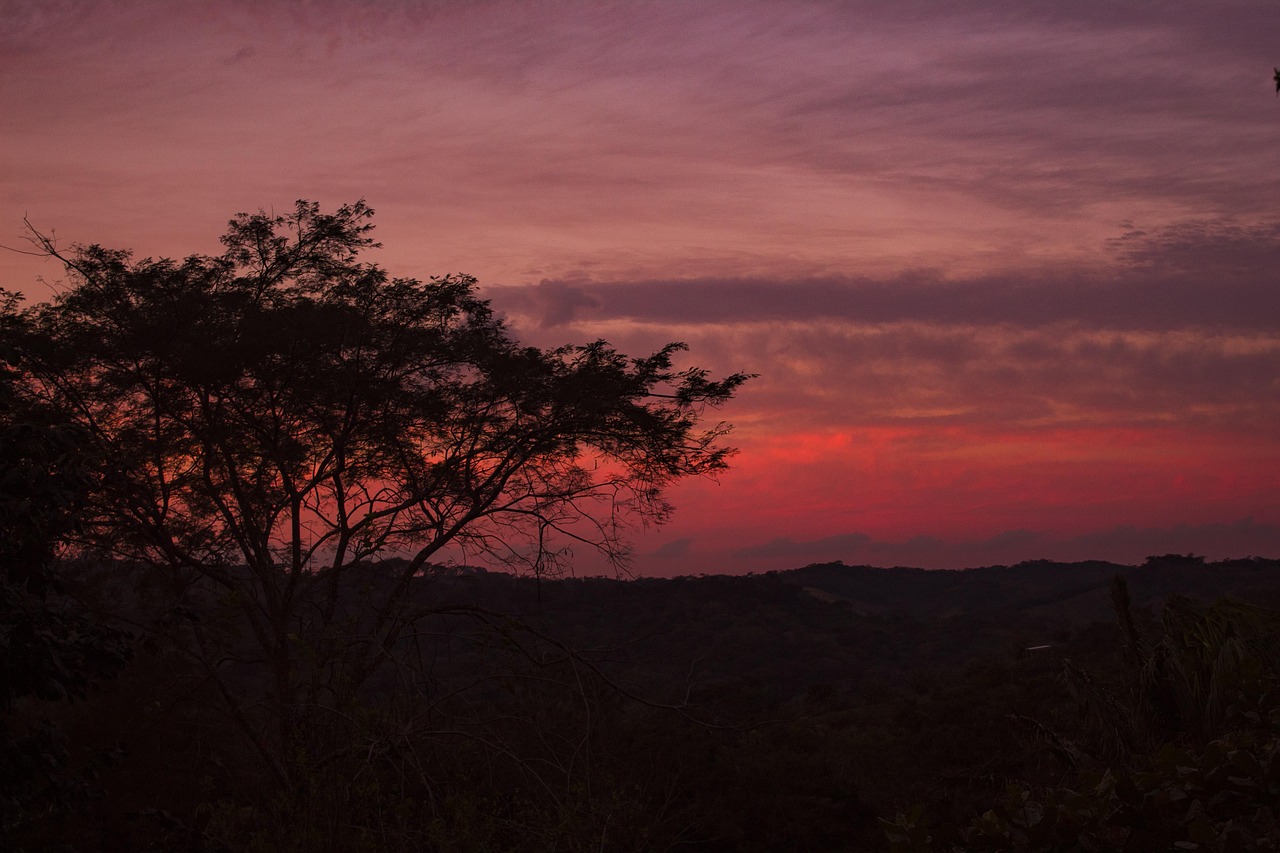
point(1069, 592)
point(780, 711)
point(840, 625)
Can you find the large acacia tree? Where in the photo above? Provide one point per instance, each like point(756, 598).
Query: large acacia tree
point(273, 419)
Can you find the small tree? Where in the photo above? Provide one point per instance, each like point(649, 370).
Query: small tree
point(276, 418)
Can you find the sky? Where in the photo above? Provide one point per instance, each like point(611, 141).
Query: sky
point(1009, 271)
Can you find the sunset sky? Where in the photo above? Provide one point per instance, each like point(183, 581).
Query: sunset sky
point(1009, 271)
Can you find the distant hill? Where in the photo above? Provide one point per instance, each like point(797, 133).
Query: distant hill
point(807, 702)
point(1071, 592)
point(841, 626)
point(778, 634)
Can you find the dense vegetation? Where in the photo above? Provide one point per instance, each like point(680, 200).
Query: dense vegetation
point(809, 709)
point(253, 433)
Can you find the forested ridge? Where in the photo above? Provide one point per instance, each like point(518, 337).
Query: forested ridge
point(782, 711)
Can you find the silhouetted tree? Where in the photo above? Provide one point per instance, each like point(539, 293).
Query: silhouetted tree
point(274, 420)
point(50, 649)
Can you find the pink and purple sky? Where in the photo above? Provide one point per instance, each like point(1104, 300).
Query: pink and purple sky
point(1009, 271)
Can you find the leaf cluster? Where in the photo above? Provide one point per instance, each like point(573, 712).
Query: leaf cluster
point(287, 383)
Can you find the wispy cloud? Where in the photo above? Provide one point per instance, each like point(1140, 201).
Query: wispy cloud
point(991, 259)
point(1203, 273)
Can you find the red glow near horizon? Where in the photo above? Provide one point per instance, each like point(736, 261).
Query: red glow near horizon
point(1058, 469)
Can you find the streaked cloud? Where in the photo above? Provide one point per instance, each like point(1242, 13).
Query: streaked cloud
point(1001, 265)
point(1215, 274)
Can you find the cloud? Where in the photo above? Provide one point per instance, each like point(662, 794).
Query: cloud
point(1222, 248)
point(1217, 273)
point(556, 303)
point(674, 549)
point(721, 138)
point(786, 548)
point(240, 55)
point(1012, 376)
point(1177, 332)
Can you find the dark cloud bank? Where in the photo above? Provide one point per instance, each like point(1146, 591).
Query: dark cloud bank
point(1136, 302)
point(1215, 274)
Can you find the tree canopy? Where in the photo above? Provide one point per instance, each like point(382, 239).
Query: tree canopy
point(269, 419)
point(288, 406)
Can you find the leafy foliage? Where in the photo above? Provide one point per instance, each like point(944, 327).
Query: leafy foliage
point(270, 424)
point(1185, 756)
point(286, 406)
point(50, 649)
